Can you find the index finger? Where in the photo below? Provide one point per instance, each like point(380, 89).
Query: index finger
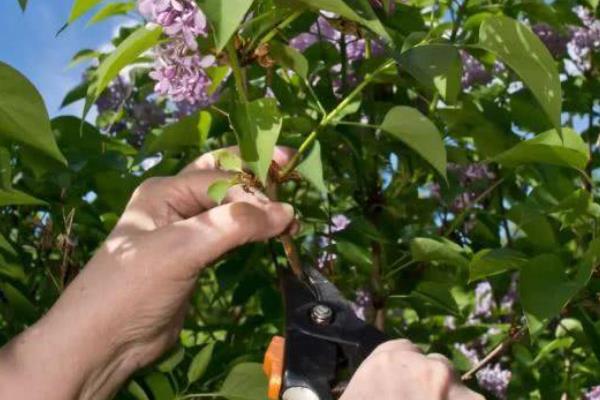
point(281, 155)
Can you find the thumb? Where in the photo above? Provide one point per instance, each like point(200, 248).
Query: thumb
point(197, 241)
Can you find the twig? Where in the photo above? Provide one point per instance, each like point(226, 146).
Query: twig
point(498, 350)
point(462, 215)
point(329, 118)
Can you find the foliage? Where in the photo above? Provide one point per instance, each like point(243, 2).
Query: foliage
point(446, 171)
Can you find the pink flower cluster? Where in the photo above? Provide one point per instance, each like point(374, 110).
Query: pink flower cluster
point(179, 70)
point(179, 18)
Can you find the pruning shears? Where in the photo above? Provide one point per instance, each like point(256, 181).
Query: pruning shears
point(324, 342)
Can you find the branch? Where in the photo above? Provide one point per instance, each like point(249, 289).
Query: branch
point(329, 118)
point(498, 350)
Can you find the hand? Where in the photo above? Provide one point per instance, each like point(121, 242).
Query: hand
point(128, 304)
point(397, 370)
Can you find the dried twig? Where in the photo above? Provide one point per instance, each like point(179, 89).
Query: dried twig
point(497, 351)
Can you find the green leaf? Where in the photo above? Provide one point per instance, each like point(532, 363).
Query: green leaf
point(81, 56)
point(81, 7)
point(23, 115)
point(589, 328)
point(110, 10)
point(6, 246)
point(290, 58)
point(442, 250)
point(359, 11)
point(160, 386)
point(535, 225)
point(225, 16)
point(257, 126)
point(172, 360)
point(5, 169)
point(16, 197)
point(556, 344)
point(548, 148)
point(419, 133)
point(190, 131)
point(217, 75)
point(23, 4)
point(218, 190)
point(77, 93)
point(544, 289)
point(246, 381)
point(438, 294)
point(437, 67)
point(128, 51)
point(354, 253)
point(200, 363)
point(516, 45)
point(228, 161)
point(490, 262)
point(312, 168)
point(137, 391)
point(16, 305)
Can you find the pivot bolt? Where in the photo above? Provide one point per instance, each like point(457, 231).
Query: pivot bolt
point(321, 314)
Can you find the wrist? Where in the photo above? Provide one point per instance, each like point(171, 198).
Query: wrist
point(70, 353)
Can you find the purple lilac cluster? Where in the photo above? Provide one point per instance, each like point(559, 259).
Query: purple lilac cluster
point(181, 75)
point(592, 394)
point(114, 96)
point(355, 48)
point(493, 377)
point(555, 42)
point(484, 300)
point(474, 73)
point(511, 296)
point(470, 178)
point(339, 222)
point(179, 68)
point(138, 116)
point(585, 39)
point(322, 29)
point(362, 304)
point(180, 19)
point(145, 115)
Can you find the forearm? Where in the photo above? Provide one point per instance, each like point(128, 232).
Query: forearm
point(69, 354)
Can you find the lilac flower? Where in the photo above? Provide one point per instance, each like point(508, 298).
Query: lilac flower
point(450, 322)
point(552, 38)
point(473, 71)
point(145, 115)
point(339, 222)
point(113, 96)
point(494, 379)
point(484, 300)
point(322, 29)
point(508, 300)
point(362, 303)
point(584, 39)
point(476, 172)
point(180, 74)
point(470, 353)
point(179, 18)
point(593, 393)
point(391, 5)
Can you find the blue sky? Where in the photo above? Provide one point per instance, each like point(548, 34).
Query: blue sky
point(28, 42)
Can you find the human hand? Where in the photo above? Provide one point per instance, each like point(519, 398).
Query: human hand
point(128, 304)
point(398, 370)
